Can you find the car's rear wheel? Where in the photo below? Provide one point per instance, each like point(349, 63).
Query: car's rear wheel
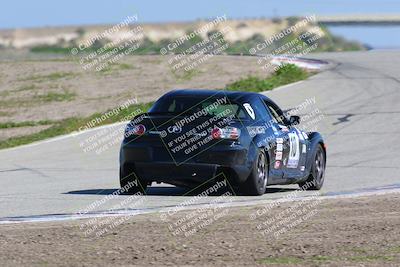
point(130, 182)
point(317, 174)
point(256, 183)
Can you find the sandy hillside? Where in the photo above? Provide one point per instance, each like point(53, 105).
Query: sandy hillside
point(240, 30)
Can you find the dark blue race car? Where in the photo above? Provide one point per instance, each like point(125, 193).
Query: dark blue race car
point(193, 137)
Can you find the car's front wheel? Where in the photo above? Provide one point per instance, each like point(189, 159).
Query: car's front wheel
point(130, 182)
point(256, 183)
point(317, 174)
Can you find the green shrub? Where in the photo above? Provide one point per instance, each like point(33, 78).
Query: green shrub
point(287, 73)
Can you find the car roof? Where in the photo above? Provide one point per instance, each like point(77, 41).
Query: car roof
point(209, 93)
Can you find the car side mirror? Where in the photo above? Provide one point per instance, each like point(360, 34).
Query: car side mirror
point(294, 120)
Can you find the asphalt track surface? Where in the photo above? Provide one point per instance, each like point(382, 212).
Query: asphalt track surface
point(359, 97)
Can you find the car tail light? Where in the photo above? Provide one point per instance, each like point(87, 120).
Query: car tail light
point(139, 129)
point(225, 133)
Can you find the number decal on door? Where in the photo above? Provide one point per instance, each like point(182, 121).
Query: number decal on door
point(250, 110)
point(294, 152)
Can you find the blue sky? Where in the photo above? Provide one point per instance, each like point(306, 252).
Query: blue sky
point(29, 13)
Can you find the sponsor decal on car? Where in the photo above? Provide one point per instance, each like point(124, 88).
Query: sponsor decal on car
point(279, 147)
point(277, 164)
point(284, 128)
point(278, 155)
point(304, 149)
point(275, 130)
point(301, 137)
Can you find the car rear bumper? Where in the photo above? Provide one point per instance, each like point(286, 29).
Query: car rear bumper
point(156, 164)
point(184, 174)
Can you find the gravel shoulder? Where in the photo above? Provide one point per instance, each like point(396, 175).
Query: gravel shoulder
point(361, 231)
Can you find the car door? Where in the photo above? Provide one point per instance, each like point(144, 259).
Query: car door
point(291, 147)
point(268, 137)
point(296, 154)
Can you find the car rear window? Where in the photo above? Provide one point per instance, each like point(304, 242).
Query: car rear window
point(186, 105)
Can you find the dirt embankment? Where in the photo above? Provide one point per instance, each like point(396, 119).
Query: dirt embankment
point(28, 89)
point(57, 89)
point(348, 232)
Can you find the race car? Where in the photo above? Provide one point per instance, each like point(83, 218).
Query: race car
point(194, 137)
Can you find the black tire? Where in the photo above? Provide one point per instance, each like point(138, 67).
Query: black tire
point(129, 180)
point(256, 183)
point(317, 174)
